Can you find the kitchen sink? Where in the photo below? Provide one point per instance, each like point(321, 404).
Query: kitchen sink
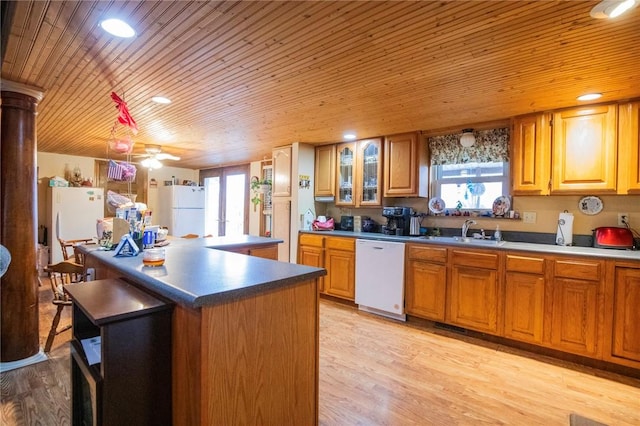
point(465, 240)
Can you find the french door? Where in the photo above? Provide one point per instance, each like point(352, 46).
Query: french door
point(227, 200)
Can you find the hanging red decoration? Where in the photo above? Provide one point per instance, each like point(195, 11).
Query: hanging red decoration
point(123, 113)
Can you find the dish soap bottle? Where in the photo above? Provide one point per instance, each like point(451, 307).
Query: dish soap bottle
point(498, 234)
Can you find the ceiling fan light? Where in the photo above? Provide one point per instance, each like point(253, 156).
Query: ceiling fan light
point(118, 28)
point(151, 163)
point(467, 139)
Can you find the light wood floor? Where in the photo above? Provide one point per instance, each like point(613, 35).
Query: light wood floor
point(375, 371)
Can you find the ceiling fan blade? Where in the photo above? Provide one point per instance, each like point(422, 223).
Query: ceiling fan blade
point(165, 156)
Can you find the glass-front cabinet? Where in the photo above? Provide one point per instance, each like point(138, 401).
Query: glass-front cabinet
point(359, 173)
point(346, 174)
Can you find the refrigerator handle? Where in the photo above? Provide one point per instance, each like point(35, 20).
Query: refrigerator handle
point(57, 226)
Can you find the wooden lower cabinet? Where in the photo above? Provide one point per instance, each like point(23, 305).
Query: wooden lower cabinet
point(426, 282)
point(311, 253)
point(524, 306)
point(625, 345)
point(576, 307)
point(340, 261)
point(474, 291)
point(524, 298)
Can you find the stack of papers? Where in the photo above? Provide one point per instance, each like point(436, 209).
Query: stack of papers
point(92, 349)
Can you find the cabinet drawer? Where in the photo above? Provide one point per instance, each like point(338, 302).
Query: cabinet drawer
point(348, 244)
point(532, 265)
point(584, 270)
point(431, 254)
point(472, 258)
point(312, 240)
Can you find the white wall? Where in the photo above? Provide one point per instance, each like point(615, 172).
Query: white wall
point(302, 199)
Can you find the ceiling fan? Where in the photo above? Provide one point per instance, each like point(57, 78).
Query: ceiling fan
point(154, 156)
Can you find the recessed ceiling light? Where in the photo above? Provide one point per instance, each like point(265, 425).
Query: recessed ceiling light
point(612, 8)
point(161, 100)
point(118, 28)
point(589, 96)
point(349, 136)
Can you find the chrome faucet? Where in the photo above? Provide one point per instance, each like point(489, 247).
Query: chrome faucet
point(465, 226)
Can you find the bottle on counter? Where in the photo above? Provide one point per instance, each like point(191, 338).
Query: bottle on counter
point(498, 234)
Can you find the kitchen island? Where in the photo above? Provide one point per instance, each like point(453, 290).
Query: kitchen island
point(245, 329)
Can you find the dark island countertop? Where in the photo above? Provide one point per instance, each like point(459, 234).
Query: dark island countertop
point(198, 272)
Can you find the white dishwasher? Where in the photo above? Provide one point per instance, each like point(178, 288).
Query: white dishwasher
point(380, 278)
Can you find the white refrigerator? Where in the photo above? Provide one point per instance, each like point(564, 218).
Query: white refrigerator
point(72, 214)
point(181, 209)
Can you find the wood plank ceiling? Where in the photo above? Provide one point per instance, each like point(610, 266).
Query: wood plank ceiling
point(246, 76)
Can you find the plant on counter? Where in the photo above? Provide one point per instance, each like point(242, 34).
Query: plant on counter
point(259, 186)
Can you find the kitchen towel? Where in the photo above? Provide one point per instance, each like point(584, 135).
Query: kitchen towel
point(564, 236)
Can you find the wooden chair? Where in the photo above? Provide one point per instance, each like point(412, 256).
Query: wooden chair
point(60, 274)
point(69, 251)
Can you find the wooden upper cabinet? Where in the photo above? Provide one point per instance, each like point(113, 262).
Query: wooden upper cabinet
point(405, 166)
point(369, 173)
point(629, 149)
point(325, 171)
point(345, 173)
point(359, 173)
point(585, 150)
point(531, 155)
point(281, 172)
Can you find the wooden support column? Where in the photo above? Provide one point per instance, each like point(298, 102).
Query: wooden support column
point(18, 217)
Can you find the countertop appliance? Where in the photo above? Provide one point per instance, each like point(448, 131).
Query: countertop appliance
point(380, 278)
point(398, 220)
point(72, 214)
point(369, 225)
point(613, 238)
point(181, 209)
point(346, 223)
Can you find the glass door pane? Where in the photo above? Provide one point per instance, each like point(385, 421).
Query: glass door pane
point(227, 200)
point(234, 209)
point(212, 206)
point(345, 175)
point(370, 162)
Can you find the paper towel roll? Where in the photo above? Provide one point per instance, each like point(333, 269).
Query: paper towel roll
point(564, 236)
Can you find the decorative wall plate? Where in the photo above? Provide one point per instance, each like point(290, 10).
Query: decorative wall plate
point(436, 205)
point(501, 206)
point(590, 205)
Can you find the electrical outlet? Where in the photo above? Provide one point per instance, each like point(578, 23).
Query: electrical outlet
point(529, 217)
point(623, 219)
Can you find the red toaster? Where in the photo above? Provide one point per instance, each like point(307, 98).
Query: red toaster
point(612, 237)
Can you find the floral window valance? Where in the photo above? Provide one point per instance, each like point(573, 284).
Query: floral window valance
point(491, 146)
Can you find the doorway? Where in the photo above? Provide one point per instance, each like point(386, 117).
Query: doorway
point(226, 200)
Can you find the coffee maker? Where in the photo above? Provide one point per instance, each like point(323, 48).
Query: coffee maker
point(398, 220)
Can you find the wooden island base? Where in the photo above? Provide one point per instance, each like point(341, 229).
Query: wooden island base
point(248, 360)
